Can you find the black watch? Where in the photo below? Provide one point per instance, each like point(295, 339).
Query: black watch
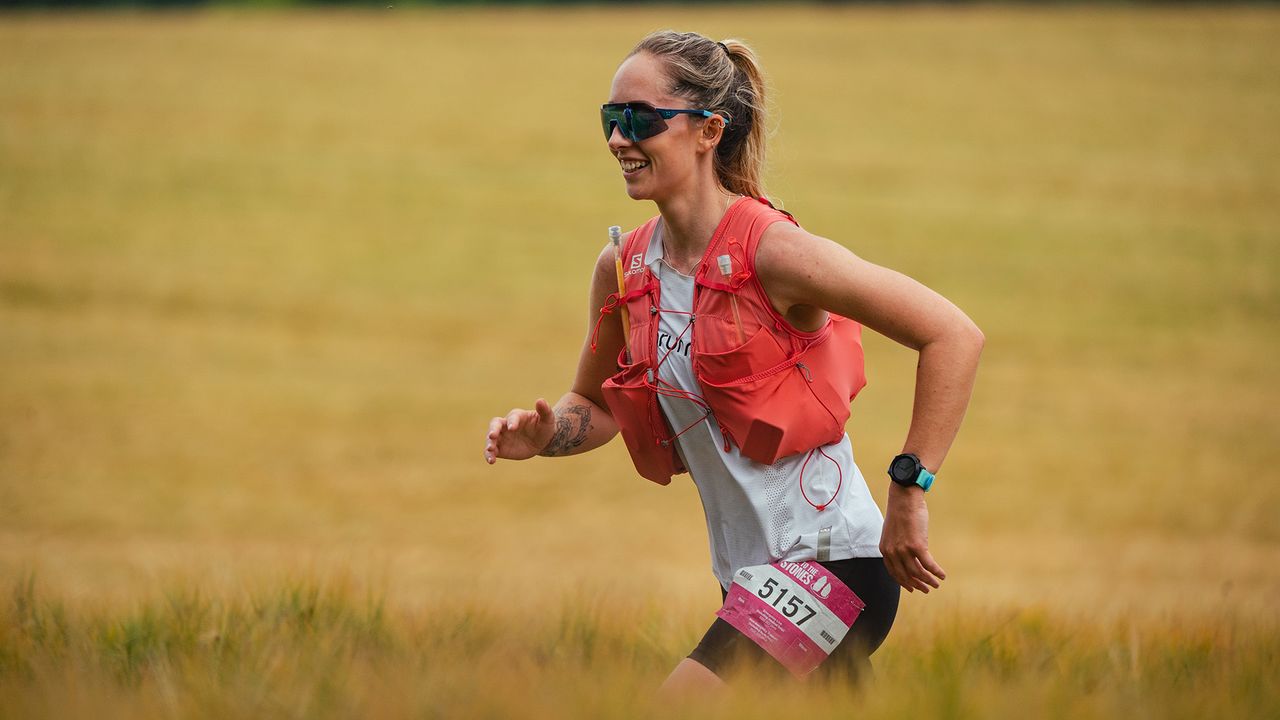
point(906, 470)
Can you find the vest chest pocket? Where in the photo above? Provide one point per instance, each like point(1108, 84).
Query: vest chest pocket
point(764, 400)
point(759, 354)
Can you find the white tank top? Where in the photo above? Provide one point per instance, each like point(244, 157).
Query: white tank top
point(757, 514)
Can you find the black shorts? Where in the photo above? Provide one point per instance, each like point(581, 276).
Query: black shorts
point(723, 646)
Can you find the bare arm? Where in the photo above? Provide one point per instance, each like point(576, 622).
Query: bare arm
point(805, 276)
point(580, 420)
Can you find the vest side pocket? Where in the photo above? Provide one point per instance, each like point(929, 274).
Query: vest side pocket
point(839, 356)
point(634, 406)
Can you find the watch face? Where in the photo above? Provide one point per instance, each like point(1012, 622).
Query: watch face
point(904, 469)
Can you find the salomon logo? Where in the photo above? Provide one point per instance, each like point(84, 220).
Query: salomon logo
point(637, 265)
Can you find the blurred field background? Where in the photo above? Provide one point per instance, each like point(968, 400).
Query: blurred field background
point(265, 276)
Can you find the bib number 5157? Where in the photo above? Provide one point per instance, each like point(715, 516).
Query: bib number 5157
point(797, 612)
point(794, 604)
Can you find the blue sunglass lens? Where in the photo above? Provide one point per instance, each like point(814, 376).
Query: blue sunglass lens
point(635, 123)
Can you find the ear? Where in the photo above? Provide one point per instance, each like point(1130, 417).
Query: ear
point(712, 133)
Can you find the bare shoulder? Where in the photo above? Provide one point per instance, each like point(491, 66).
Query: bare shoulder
point(605, 261)
point(797, 267)
point(799, 270)
point(788, 250)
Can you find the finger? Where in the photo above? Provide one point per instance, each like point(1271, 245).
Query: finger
point(543, 408)
point(921, 566)
point(921, 578)
point(908, 581)
point(903, 561)
point(496, 427)
point(932, 565)
point(921, 575)
point(523, 418)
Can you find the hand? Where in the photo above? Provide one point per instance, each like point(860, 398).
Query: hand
point(905, 540)
point(521, 434)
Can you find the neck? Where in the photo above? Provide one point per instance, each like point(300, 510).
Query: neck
point(689, 222)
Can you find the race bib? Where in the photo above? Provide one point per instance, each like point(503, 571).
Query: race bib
point(797, 612)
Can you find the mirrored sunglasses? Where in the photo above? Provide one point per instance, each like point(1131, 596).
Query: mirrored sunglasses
point(639, 121)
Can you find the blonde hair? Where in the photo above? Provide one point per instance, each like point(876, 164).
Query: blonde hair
point(725, 78)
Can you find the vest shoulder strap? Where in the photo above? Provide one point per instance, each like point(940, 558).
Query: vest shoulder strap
point(731, 260)
point(633, 251)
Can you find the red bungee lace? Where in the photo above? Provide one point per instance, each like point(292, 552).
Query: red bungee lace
point(839, 478)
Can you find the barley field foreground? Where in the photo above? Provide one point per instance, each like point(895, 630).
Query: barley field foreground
point(264, 277)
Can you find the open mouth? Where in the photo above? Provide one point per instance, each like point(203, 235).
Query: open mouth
point(633, 166)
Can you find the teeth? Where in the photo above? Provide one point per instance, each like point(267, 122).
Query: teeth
point(632, 165)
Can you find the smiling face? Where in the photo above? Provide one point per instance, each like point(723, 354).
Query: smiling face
point(666, 164)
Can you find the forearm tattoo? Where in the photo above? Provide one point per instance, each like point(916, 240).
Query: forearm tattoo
point(572, 424)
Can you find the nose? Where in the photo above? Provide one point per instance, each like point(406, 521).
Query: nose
point(616, 139)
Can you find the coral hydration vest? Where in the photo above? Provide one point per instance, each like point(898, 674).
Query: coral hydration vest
point(774, 390)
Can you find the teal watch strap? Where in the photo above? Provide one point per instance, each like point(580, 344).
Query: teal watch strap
point(907, 470)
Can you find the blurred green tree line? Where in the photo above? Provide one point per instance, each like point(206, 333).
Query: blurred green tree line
point(80, 4)
point(56, 4)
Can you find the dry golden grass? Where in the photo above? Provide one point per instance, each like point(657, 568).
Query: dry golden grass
point(264, 277)
point(310, 651)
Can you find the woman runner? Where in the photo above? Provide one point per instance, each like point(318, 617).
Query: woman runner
point(740, 347)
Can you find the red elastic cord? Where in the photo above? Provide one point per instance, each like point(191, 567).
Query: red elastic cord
point(610, 303)
point(671, 390)
point(666, 389)
point(740, 276)
point(839, 479)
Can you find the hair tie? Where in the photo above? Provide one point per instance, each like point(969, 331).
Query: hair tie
point(724, 47)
